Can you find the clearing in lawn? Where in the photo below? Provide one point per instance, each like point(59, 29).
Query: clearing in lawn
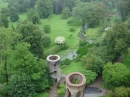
point(59, 27)
point(73, 67)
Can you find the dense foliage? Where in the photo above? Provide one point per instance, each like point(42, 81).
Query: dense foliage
point(116, 41)
point(90, 76)
point(44, 8)
point(33, 35)
point(116, 75)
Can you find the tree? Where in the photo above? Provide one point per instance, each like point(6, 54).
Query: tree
point(33, 35)
point(117, 41)
point(21, 86)
point(32, 15)
point(5, 11)
point(14, 14)
point(116, 75)
point(29, 73)
point(90, 13)
point(46, 40)
point(123, 8)
point(8, 39)
point(44, 8)
point(4, 21)
point(47, 29)
point(64, 14)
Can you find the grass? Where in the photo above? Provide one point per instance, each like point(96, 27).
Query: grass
point(21, 17)
point(126, 61)
point(43, 94)
point(73, 67)
point(59, 27)
point(3, 4)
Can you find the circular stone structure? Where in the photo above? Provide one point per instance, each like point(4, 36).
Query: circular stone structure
point(75, 85)
point(53, 62)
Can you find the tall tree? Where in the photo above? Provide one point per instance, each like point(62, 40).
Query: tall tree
point(116, 75)
point(117, 41)
point(29, 73)
point(8, 39)
point(90, 13)
point(5, 11)
point(124, 8)
point(44, 8)
point(4, 21)
point(14, 14)
point(32, 15)
point(33, 35)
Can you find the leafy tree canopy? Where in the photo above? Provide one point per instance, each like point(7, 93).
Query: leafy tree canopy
point(44, 8)
point(116, 75)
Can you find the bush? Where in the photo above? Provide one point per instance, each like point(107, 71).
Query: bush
point(70, 22)
point(63, 46)
point(121, 92)
point(82, 51)
point(116, 75)
point(83, 43)
point(46, 40)
point(60, 40)
point(3, 89)
point(65, 62)
point(72, 29)
point(47, 29)
point(90, 76)
point(61, 90)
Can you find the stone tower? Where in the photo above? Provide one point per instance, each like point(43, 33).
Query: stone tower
point(53, 62)
point(75, 85)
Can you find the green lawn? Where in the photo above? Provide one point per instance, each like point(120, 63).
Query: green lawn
point(3, 4)
point(59, 27)
point(73, 67)
point(43, 94)
point(21, 17)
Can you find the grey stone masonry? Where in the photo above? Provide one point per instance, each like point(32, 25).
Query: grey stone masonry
point(53, 62)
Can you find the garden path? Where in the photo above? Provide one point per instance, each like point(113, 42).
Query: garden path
point(53, 91)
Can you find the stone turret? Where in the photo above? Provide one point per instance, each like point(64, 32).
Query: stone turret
point(75, 85)
point(53, 62)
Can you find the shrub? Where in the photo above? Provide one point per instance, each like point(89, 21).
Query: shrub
point(72, 29)
point(121, 92)
point(65, 61)
point(60, 40)
point(116, 75)
point(70, 22)
point(82, 51)
point(63, 46)
point(47, 29)
point(90, 76)
point(3, 89)
point(83, 43)
point(61, 90)
point(46, 40)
